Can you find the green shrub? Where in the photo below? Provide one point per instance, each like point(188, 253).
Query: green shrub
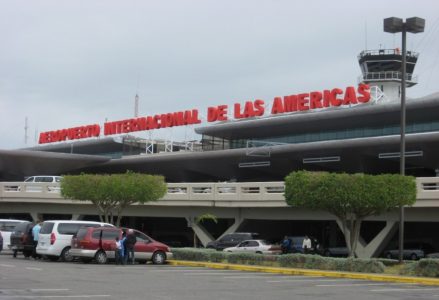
point(287, 261)
point(192, 254)
point(425, 267)
point(387, 262)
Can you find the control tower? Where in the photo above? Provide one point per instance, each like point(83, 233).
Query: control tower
point(382, 68)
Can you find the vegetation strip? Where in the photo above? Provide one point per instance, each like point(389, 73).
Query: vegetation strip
point(292, 271)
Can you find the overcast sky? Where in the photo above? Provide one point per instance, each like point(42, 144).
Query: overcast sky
point(70, 63)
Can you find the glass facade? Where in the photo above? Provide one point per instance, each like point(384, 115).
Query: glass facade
point(214, 143)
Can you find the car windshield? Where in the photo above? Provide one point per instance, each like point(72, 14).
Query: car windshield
point(21, 227)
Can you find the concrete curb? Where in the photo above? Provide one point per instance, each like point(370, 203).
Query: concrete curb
point(306, 272)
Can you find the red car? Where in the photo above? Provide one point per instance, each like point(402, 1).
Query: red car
point(100, 244)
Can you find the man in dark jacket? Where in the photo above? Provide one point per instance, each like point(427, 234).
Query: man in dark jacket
point(130, 241)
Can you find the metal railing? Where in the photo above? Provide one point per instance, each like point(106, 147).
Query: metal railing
point(269, 192)
point(388, 75)
point(395, 51)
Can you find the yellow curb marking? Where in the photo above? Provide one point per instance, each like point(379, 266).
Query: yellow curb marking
point(291, 271)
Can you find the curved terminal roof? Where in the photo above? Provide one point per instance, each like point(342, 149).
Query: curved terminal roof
point(370, 114)
point(276, 161)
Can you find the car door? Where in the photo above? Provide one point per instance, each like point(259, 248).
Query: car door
point(253, 246)
point(108, 241)
point(242, 247)
point(144, 248)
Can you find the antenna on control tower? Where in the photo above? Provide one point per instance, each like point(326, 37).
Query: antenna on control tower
point(136, 99)
point(26, 127)
point(136, 106)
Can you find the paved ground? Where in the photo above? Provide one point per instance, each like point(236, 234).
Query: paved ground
point(29, 279)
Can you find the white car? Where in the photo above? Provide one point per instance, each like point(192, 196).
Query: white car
point(51, 181)
point(6, 228)
point(55, 237)
point(255, 246)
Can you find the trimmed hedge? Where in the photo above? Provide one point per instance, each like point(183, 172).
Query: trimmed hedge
point(287, 261)
point(427, 267)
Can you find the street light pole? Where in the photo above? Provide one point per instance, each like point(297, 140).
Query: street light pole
point(394, 25)
point(402, 142)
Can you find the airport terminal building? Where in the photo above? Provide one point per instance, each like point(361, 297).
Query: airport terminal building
point(256, 144)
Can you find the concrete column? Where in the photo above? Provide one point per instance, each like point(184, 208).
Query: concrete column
point(235, 226)
point(204, 236)
point(77, 217)
point(36, 216)
point(376, 246)
point(201, 233)
point(378, 242)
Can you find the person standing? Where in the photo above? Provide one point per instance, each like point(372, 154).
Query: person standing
point(306, 245)
point(130, 242)
point(35, 235)
point(119, 252)
point(286, 245)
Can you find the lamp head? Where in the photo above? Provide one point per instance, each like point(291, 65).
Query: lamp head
point(415, 25)
point(393, 25)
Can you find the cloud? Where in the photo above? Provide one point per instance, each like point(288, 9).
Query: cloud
point(70, 63)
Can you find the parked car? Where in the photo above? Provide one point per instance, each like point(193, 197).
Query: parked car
point(297, 242)
point(21, 239)
point(412, 251)
point(55, 237)
point(255, 246)
point(336, 251)
point(433, 255)
point(231, 240)
point(99, 244)
point(43, 178)
point(6, 228)
point(53, 182)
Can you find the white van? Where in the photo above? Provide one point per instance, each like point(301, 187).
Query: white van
point(52, 183)
point(6, 228)
point(55, 237)
point(43, 178)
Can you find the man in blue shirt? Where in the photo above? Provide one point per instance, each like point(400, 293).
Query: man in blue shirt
point(35, 234)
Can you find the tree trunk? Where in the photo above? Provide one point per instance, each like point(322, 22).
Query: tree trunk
point(347, 235)
point(357, 228)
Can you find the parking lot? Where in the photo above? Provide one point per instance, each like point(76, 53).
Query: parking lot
point(30, 279)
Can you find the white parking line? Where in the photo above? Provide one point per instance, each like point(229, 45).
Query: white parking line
point(32, 268)
point(49, 290)
point(7, 266)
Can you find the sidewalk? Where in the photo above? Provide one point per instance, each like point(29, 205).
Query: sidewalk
point(308, 272)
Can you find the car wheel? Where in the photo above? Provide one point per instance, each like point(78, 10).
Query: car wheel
point(101, 257)
point(158, 258)
point(389, 255)
point(66, 256)
point(413, 256)
point(327, 253)
point(27, 253)
point(258, 252)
